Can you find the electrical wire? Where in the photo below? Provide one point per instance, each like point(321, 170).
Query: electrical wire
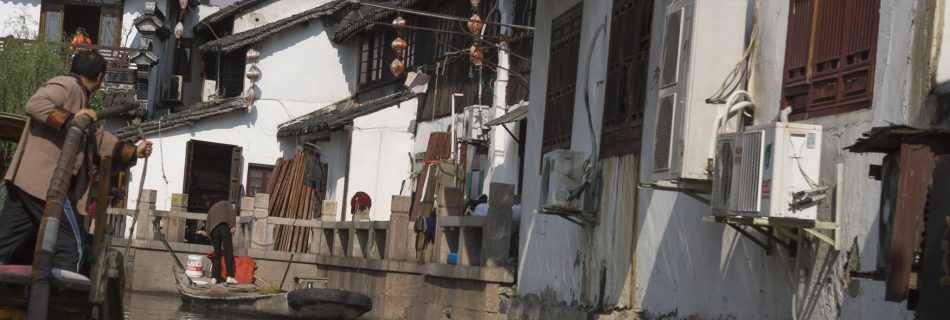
point(740, 73)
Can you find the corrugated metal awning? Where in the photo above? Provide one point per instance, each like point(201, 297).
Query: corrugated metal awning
point(517, 114)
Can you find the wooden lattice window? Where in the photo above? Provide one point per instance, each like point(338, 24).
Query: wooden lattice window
point(829, 56)
point(371, 57)
point(258, 178)
point(627, 65)
point(562, 80)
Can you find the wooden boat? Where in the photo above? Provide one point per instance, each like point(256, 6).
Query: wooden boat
point(310, 303)
point(69, 297)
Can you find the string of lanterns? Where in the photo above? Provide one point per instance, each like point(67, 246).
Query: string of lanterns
point(253, 74)
point(475, 27)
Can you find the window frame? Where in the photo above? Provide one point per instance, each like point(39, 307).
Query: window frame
point(266, 172)
point(830, 57)
point(562, 80)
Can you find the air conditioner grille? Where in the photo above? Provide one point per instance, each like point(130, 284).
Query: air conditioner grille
point(723, 179)
point(664, 133)
point(749, 186)
point(671, 47)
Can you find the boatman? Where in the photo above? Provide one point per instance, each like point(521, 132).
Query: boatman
point(221, 223)
point(50, 111)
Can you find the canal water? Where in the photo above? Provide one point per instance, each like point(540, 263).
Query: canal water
point(150, 306)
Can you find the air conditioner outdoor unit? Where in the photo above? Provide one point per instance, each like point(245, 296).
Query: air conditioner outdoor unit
point(562, 173)
point(209, 90)
point(472, 124)
point(173, 90)
point(778, 172)
point(701, 41)
point(726, 172)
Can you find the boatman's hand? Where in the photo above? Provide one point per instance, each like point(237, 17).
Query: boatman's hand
point(232, 230)
point(86, 111)
point(143, 149)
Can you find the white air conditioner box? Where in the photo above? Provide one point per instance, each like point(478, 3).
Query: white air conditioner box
point(702, 41)
point(209, 90)
point(562, 174)
point(471, 126)
point(780, 162)
point(726, 171)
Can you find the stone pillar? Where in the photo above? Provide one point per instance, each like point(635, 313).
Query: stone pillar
point(328, 213)
point(145, 209)
point(174, 225)
point(362, 215)
point(262, 233)
point(242, 237)
point(398, 239)
point(497, 232)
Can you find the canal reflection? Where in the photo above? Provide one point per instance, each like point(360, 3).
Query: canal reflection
point(148, 306)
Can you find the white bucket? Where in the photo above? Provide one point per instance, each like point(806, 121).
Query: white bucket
point(193, 268)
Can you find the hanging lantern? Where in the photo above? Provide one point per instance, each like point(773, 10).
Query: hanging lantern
point(179, 29)
point(476, 55)
point(474, 3)
point(253, 74)
point(397, 67)
point(400, 44)
point(250, 97)
point(399, 24)
point(183, 4)
point(253, 55)
point(475, 26)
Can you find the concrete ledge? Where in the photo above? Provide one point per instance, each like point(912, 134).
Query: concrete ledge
point(485, 274)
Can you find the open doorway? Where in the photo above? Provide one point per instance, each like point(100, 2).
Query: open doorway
point(212, 173)
point(81, 16)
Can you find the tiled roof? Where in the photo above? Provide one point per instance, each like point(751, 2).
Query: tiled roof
point(364, 16)
point(227, 12)
point(337, 115)
point(191, 115)
point(252, 36)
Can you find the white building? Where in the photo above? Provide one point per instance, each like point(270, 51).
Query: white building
point(650, 250)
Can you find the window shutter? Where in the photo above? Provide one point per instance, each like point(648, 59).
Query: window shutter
point(110, 27)
point(627, 62)
point(562, 80)
point(51, 22)
point(237, 161)
point(829, 58)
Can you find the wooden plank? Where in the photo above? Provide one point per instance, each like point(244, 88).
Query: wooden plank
point(916, 169)
point(934, 279)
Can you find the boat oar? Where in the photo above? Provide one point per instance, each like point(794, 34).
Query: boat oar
point(170, 251)
point(138, 201)
point(266, 283)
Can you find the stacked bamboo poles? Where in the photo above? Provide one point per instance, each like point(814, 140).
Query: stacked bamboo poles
point(292, 198)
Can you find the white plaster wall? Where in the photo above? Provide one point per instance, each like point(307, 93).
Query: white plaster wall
point(379, 161)
point(502, 161)
point(553, 250)
point(943, 55)
point(334, 155)
point(272, 11)
point(287, 89)
point(10, 13)
point(688, 267)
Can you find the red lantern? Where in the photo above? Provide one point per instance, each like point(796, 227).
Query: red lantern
point(400, 44)
point(476, 55)
point(475, 26)
point(397, 67)
point(399, 24)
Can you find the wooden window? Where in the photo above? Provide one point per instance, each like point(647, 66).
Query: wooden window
point(444, 39)
point(409, 55)
point(258, 178)
point(102, 20)
point(231, 73)
point(562, 80)
point(629, 55)
point(829, 56)
point(372, 49)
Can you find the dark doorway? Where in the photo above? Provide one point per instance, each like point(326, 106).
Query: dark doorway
point(212, 173)
point(86, 17)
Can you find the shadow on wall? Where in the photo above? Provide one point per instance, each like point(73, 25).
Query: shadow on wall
point(699, 268)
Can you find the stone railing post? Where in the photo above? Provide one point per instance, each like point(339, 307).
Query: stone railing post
point(262, 233)
point(328, 212)
point(398, 242)
point(175, 226)
point(242, 237)
point(496, 239)
point(145, 209)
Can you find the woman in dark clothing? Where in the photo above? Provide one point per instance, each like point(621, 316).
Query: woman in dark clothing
point(221, 220)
